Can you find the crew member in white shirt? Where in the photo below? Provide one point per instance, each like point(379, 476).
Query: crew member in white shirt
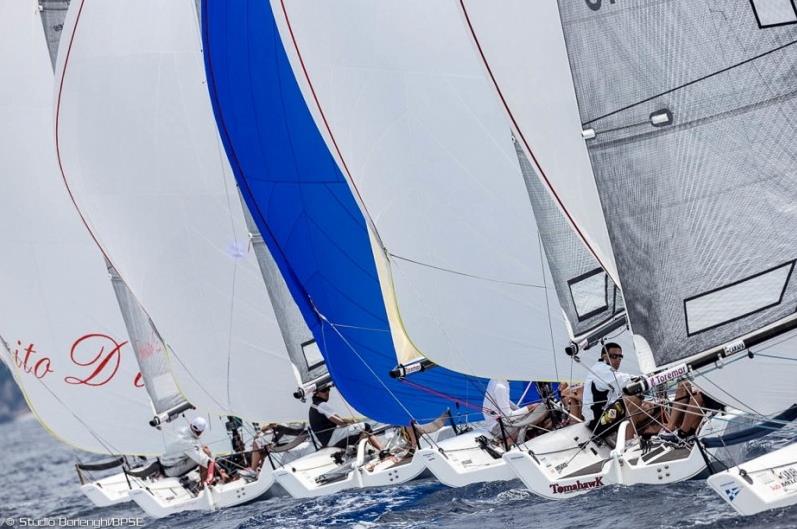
point(604, 384)
point(186, 452)
point(497, 404)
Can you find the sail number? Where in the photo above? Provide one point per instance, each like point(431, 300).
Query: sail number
point(596, 4)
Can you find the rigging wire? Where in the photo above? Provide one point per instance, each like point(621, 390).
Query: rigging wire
point(547, 304)
point(464, 274)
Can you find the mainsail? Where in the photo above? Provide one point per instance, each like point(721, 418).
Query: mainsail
point(694, 163)
point(309, 219)
point(587, 294)
point(62, 333)
point(302, 348)
point(141, 155)
point(52, 14)
point(692, 216)
point(148, 347)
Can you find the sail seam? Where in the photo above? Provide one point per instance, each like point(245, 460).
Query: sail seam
point(694, 81)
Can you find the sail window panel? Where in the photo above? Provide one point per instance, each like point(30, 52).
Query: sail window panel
point(164, 387)
point(770, 13)
point(737, 300)
point(590, 293)
point(312, 355)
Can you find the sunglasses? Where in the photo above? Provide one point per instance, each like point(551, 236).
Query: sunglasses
point(615, 356)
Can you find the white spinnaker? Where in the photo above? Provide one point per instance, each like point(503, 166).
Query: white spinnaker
point(415, 127)
point(523, 52)
point(58, 308)
point(141, 154)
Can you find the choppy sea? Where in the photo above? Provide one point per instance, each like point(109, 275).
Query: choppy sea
point(39, 487)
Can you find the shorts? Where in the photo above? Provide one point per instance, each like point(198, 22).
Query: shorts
point(511, 431)
point(346, 435)
point(609, 420)
point(711, 404)
point(180, 469)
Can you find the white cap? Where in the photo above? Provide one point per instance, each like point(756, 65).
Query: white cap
point(198, 425)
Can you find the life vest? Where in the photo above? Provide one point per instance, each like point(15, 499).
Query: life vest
point(320, 424)
point(599, 401)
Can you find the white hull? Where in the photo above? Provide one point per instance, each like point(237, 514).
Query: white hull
point(111, 490)
point(460, 461)
point(166, 496)
point(302, 478)
point(299, 477)
point(554, 472)
point(764, 483)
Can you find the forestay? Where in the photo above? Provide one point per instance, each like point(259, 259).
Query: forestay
point(141, 155)
point(403, 104)
point(310, 220)
point(63, 335)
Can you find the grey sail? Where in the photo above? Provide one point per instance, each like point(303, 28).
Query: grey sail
point(689, 112)
point(588, 296)
point(53, 13)
point(149, 348)
point(302, 348)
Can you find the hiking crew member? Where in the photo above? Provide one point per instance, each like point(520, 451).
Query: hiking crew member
point(603, 406)
point(332, 430)
point(186, 452)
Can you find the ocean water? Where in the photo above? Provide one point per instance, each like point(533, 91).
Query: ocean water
point(38, 483)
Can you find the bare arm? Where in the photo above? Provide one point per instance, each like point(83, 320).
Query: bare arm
point(339, 421)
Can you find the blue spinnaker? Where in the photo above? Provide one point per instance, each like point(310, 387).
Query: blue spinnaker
point(311, 222)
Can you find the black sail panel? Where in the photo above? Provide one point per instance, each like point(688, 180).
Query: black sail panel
point(586, 293)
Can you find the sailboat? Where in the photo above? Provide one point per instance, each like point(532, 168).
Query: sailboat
point(63, 337)
point(168, 404)
point(405, 114)
point(310, 220)
point(177, 232)
point(659, 158)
